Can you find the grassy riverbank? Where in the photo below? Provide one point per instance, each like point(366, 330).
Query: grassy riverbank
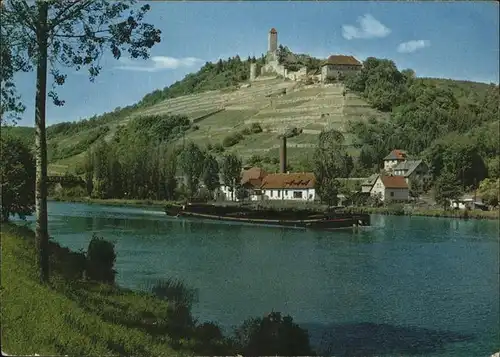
point(114, 202)
point(77, 317)
point(399, 210)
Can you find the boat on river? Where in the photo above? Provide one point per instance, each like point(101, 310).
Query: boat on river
point(285, 218)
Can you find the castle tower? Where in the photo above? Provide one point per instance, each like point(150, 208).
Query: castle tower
point(272, 41)
point(253, 71)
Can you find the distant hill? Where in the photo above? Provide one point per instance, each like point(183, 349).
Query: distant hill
point(224, 111)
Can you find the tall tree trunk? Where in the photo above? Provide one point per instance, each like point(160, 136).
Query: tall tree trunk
point(42, 234)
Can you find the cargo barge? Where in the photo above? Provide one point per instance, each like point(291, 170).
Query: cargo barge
point(285, 218)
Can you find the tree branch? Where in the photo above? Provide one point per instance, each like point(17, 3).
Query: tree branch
point(82, 36)
point(60, 18)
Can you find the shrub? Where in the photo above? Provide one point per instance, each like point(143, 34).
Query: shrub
point(256, 128)
point(272, 335)
point(219, 148)
point(101, 258)
point(246, 131)
point(175, 291)
point(232, 140)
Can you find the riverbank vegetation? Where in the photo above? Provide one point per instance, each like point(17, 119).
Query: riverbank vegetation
point(79, 314)
point(453, 126)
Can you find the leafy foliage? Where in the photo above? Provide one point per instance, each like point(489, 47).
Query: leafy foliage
point(17, 174)
point(272, 335)
point(489, 190)
point(331, 162)
point(449, 123)
point(231, 172)
point(191, 162)
point(101, 259)
point(446, 188)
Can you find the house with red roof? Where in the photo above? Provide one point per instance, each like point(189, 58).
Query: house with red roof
point(338, 66)
point(295, 186)
point(394, 158)
point(251, 180)
point(391, 188)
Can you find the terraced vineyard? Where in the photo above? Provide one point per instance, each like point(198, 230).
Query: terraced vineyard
point(276, 105)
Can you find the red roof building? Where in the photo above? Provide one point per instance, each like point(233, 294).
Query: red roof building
point(342, 60)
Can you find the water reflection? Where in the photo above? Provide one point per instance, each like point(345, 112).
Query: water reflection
point(434, 273)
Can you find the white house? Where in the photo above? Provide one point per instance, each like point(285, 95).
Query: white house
point(251, 180)
point(391, 188)
point(337, 66)
point(467, 202)
point(393, 159)
point(289, 186)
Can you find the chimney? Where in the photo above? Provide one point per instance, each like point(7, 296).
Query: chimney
point(283, 155)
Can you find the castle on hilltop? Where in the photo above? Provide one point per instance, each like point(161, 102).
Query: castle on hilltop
point(336, 67)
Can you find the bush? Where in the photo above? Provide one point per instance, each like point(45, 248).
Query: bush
point(272, 335)
point(101, 258)
point(176, 292)
point(291, 132)
point(256, 128)
point(232, 140)
point(219, 148)
point(246, 131)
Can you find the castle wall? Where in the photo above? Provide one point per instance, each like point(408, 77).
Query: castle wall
point(253, 71)
point(335, 71)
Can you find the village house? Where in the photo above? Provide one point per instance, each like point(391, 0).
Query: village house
point(338, 66)
point(468, 202)
point(367, 184)
point(411, 169)
point(390, 188)
point(393, 159)
point(289, 186)
point(251, 180)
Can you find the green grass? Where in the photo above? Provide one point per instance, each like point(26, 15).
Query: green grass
point(75, 318)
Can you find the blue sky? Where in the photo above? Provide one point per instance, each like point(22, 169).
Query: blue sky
point(456, 40)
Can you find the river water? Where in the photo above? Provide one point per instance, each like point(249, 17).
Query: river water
point(404, 286)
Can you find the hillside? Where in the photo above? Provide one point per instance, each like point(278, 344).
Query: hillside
point(222, 105)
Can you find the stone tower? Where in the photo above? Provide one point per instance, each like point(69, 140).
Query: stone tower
point(272, 41)
point(253, 71)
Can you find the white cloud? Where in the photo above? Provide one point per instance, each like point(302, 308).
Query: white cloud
point(157, 63)
point(369, 27)
point(412, 46)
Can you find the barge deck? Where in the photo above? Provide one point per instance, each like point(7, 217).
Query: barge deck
point(296, 219)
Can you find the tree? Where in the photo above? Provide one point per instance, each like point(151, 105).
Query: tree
point(10, 101)
point(169, 173)
point(211, 173)
point(416, 187)
point(489, 190)
point(446, 188)
point(330, 163)
point(231, 172)
point(88, 168)
point(17, 175)
point(191, 162)
point(51, 34)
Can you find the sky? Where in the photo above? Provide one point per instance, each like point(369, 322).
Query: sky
point(458, 40)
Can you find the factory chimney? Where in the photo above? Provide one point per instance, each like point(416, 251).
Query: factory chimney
point(283, 155)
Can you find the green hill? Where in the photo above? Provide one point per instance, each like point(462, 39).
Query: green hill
point(222, 106)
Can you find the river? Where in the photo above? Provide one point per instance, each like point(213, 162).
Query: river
point(404, 286)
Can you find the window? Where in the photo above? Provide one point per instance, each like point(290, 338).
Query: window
point(297, 194)
point(258, 192)
point(279, 193)
point(392, 193)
